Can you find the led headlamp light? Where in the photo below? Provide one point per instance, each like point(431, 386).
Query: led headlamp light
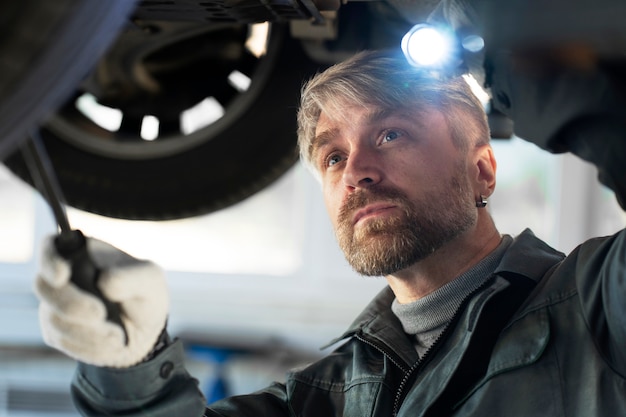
point(438, 48)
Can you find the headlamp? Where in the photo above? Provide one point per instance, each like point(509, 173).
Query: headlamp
point(438, 48)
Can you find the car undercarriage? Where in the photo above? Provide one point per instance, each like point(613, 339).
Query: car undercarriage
point(171, 109)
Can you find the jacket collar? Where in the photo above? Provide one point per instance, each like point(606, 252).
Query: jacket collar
point(380, 326)
point(527, 256)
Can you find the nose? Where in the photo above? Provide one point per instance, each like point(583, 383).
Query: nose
point(363, 169)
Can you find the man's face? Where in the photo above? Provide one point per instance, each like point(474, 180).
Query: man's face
point(395, 186)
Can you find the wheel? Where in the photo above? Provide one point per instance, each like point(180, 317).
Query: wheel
point(42, 62)
point(247, 140)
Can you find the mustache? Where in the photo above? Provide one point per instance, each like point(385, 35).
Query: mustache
point(363, 197)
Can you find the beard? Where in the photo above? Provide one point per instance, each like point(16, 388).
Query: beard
point(382, 246)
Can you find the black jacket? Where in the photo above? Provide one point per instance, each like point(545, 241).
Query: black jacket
point(562, 353)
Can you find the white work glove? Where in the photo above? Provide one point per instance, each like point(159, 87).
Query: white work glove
point(74, 321)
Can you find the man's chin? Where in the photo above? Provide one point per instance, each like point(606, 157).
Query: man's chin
point(371, 233)
point(376, 256)
point(375, 269)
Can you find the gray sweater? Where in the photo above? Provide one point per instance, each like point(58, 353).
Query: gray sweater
point(427, 317)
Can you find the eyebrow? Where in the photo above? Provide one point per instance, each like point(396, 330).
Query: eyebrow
point(375, 116)
point(321, 140)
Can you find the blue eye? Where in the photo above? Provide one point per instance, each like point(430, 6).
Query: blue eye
point(390, 135)
point(332, 160)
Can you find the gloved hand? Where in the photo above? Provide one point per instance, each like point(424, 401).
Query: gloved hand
point(74, 321)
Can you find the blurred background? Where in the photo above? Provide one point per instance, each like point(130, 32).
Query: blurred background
point(259, 287)
point(179, 115)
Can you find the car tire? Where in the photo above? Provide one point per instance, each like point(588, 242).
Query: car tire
point(252, 145)
point(46, 48)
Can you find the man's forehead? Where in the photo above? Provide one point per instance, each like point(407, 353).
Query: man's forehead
point(351, 114)
point(358, 114)
point(329, 120)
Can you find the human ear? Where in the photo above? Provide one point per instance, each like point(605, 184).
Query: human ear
point(485, 163)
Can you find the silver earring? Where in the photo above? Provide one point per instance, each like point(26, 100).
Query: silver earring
point(482, 202)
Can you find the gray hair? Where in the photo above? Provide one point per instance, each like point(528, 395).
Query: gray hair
point(385, 80)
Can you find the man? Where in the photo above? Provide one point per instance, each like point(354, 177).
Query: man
point(472, 324)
